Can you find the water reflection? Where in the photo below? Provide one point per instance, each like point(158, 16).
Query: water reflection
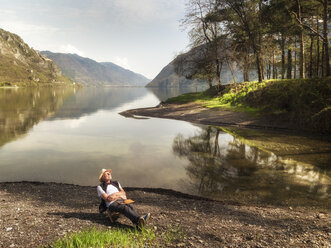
point(221, 165)
point(90, 100)
point(165, 93)
point(21, 109)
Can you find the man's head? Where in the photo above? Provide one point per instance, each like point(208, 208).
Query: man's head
point(105, 175)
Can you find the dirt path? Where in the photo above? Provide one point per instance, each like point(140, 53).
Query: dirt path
point(33, 214)
point(196, 113)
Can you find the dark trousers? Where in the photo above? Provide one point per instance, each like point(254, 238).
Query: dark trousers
point(125, 209)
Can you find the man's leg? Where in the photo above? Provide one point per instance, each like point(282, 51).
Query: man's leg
point(126, 210)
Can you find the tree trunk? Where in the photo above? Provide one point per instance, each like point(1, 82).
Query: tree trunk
point(302, 44)
point(302, 56)
point(317, 49)
point(310, 71)
point(323, 63)
point(283, 56)
point(258, 65)
point(295, 59)
point(325, 41)
point(245, 67)
point(269, 69)
point(210, 83)
point(273, 65)
point(262, 67)
point(218, 73)
point(232, 72)
point(256, 51)
point(289, 64)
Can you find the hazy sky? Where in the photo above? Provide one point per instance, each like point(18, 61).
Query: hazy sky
point(140, 35)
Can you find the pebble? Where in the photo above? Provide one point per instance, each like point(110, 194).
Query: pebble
point(9, 229)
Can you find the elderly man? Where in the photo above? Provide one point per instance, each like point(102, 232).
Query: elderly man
point(115, 199)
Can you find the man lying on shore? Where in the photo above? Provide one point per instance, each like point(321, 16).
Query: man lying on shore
point(116, 201)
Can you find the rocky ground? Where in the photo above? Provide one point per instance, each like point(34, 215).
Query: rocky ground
point(35, 214)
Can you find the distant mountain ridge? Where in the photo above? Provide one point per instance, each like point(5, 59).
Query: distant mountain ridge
point(24, 66)
point(90, 72)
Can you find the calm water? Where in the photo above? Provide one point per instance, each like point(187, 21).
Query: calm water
point(67, 135)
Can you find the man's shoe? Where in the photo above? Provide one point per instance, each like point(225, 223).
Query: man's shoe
point(146, 217)
point(141, 222)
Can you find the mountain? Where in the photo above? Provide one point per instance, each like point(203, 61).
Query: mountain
point(90, 72)
point(24, 66)
point(169, 78)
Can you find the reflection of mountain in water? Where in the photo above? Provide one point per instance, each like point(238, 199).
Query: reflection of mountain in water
point(92, 99)
point(223, 165)
point(22, 108)
point(165, 93)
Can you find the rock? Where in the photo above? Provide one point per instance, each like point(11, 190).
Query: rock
point(249, 238)
point(181, 245)
point(320, 216)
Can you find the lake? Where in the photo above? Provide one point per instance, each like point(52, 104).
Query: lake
point(67, 135)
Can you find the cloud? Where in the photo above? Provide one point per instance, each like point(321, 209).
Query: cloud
point(75, 123)
point(123, 62)
point(26, 29)
point(68, 48)
point(129, 12)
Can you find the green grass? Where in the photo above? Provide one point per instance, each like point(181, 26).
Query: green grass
point(120, 238)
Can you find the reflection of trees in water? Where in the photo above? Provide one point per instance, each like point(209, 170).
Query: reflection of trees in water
point(21, 109)
point(219, 165)
point(211, 165)
point(166, 92)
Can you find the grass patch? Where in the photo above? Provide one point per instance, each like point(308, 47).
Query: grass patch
point(120, 238)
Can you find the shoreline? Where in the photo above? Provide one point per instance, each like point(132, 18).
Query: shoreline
point(195, 113)
point(35, 214)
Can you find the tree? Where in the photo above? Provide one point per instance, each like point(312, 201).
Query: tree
point(206, 35)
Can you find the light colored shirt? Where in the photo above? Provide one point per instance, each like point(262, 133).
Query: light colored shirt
point(110, 190)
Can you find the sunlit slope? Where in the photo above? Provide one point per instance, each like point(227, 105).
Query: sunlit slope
point(23, 66)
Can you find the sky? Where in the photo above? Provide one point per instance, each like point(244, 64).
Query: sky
point(139, 35)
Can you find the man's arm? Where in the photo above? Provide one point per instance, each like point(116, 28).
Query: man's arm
point(116, 196)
